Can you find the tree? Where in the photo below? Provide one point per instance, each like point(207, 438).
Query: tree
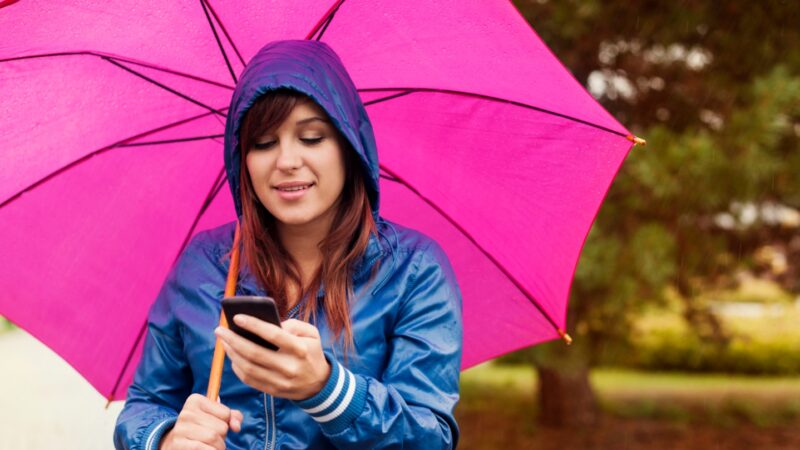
point(715, 89)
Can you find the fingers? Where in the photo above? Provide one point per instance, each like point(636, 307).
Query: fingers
point(285, 341)
point(237, 415)
point(300, 328)
point(200, 436)
point(292, 368)
point(205, 404)
point(204, 423)
point(253, 364)
point(236, 420)
point(246, 353)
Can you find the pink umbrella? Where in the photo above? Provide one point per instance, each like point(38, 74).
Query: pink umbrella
point(113, 120)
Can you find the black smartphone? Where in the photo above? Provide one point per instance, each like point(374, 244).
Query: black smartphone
point(262, 308)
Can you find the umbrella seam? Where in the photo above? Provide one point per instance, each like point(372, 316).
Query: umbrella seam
point(118, 144)
point(328, 17)
point(499, 100)
point(219, 43)
point(173, 141)
point(119, 58)
point(469, 237)
point(219, 182)
point(389, 97)
point(163, 86)
point(225, 31)
point(215, 189)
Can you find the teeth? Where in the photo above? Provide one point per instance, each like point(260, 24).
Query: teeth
point(298, 188)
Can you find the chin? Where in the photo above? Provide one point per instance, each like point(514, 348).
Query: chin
point(295, 218)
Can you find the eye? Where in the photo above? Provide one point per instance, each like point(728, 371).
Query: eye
point(312, 141)
point(263, 145)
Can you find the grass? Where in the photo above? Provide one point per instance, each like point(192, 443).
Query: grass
point(716, 399)
point(621, 380)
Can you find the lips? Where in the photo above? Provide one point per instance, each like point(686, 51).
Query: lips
point(293, 191)
point(293, 186)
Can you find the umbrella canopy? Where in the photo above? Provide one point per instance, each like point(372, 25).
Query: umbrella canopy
point(113, 122)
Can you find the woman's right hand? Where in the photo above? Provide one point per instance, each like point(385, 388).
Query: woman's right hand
point(202, 424)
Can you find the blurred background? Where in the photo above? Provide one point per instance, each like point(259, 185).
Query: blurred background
point(685, 308)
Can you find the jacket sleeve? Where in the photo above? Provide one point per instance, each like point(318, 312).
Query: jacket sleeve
point(163, 379)
point(412, 405)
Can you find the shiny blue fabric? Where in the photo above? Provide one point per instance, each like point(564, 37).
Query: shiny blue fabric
point(397, 389)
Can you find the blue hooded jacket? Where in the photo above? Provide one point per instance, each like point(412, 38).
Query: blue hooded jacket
point(401, 383)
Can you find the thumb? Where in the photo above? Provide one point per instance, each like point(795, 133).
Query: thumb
point(236, 420)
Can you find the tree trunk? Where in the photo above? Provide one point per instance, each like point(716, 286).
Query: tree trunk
point(566, 398)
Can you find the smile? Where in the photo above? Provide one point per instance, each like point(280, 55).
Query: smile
point(293, 191)
point(295, 188)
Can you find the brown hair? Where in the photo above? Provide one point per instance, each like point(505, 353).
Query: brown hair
point(345, 244)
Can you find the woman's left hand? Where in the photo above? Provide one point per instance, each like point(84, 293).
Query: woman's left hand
point(297, 370)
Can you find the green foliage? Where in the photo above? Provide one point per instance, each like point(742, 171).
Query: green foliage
point(670, 350)
point(715, 89)
point(654, 254)
point(650, 43)
point(763, 345)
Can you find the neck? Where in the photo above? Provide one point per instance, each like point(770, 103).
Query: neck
point(302, 243)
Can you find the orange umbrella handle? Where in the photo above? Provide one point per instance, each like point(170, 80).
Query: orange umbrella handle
point(215, 378)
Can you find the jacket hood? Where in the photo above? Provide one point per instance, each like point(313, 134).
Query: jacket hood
point(312, 68)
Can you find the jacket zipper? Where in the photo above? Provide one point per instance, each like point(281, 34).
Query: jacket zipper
point(269, 442)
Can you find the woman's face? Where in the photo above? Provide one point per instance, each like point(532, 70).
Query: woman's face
point(298, 170)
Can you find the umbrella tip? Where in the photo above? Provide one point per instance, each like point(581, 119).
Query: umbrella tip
point(636, 140)
point(566, 337)
point(108, 403)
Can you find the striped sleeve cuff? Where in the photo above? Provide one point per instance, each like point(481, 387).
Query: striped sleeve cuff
point(157, 431)
point(339, 402)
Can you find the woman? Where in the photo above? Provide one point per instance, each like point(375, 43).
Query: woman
point(370, 348)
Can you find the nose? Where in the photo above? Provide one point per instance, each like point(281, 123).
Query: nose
point(289, 156)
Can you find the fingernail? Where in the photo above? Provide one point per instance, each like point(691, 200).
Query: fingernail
point(239, 319)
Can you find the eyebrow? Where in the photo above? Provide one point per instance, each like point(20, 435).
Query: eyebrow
point(311, 119)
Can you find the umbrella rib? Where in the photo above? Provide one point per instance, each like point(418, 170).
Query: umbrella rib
point(127, 361)
point(212, 193)
point(388, 97)
point(121, 58)
point(397, 179)
point(117, 144)
point(172, 141)
point(386, 176)
point(163, 86)
point(225, 32)
point(325, 27)
point(215, 188)
point(326, 20)
point(219, 43)
point(500, 100)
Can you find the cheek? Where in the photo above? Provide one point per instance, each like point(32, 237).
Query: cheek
point(258, 168)
point(336, 173)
